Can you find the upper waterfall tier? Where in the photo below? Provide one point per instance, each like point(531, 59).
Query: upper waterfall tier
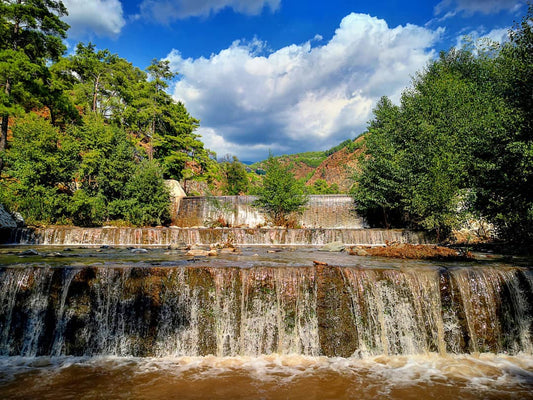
point(62, 235)
point(322, 211)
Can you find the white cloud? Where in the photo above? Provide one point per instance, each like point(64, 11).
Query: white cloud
point(168, 10)
point(99, 17)
point(473, 6)
point(300, 97)
point(499, 35)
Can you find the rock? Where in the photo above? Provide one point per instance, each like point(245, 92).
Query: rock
point(333, 247)
point(40, 362)
point(178, 246)
point(139, 251)
point(29, 252)
point(6, 219)
point(17, 217)
point(212, 252)
point(227, 250)
point(358, 251)
point(320, 263)
point(197, 253)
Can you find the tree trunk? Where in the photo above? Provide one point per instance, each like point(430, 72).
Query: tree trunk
point(386, 222)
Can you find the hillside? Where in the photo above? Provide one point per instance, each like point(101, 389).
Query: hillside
point(335, 166)
point(339, 167)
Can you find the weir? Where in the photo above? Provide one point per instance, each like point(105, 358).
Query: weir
point(313, 311)
point(62, 235)
point(322, 211)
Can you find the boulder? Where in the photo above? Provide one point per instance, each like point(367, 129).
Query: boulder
point(197, 253)
point(333, 247)
point(139, 251)
point(6, 219)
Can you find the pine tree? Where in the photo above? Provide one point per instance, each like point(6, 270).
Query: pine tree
point(31, 33)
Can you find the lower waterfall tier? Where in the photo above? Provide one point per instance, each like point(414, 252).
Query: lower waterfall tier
point(311, 311)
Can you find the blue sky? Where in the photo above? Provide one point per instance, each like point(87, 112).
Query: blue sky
point(285, 75)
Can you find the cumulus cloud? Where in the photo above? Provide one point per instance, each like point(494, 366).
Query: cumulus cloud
point(473, 6)
point(168, 10)
point(300, 97)
point(99, 17)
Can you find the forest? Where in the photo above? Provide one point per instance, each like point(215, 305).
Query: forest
point(88, 138)
point(459, 145)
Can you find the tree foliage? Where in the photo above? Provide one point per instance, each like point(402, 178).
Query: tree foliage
point(281, 194)
point(461, 137)
point(103, 134)
point(31, 34)
point(87, 175)
point(235, 178)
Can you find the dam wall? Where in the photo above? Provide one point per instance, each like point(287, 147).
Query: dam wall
point(322, 211)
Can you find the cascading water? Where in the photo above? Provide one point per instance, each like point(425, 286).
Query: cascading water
point(61, 235)
point(312, 311)
point(112, 322)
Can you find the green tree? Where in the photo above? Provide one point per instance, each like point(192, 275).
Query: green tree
point(320, 186)
point(378, 188)
point(421, 156)
point(505, 159)
point(31, 34)
point(281, 194)
point(41, 165)
point(159, 72)
point(235, 177)
point(147, 196)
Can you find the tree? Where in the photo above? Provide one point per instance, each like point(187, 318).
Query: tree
point(505, 168)
point(422, 156)
point(281, 193)
point(378, 189)
point(159, 72)
point(31, 33)
point(41, 162)
point(235, 178)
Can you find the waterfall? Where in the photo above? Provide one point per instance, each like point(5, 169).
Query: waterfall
point(321, 211)
point(63, 235)
point(312, 311)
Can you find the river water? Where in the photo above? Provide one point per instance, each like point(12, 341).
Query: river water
point(119, 323)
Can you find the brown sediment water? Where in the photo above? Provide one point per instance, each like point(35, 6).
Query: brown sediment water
point(109, 323)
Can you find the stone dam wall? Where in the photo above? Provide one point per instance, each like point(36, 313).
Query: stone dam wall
point(322, 211)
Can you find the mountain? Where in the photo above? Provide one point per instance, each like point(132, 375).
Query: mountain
point(336, 165)
point(339, 167)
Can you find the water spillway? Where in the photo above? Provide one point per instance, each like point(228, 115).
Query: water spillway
point(322, 211)
point(63, 235)
point(228, 311)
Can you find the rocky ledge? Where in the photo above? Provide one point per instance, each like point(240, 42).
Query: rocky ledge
point(412, 251)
